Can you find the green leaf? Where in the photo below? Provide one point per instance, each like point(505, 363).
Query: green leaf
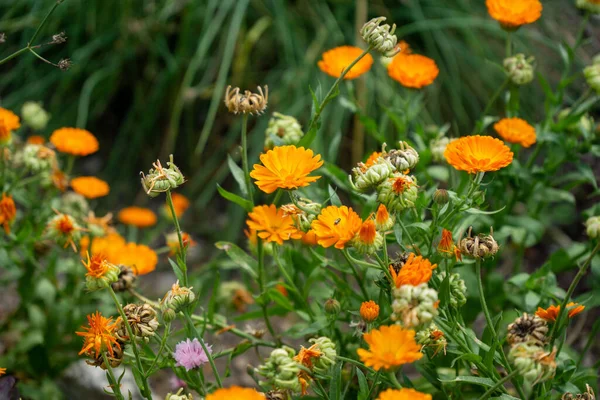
point(504, 397)
point(238, 175)
point(176, 270)
point(335, 199)
point(444, 291)
point(240, 201)
point(240, 257)
point(363, 392)
point(335, 389)
point(478, 211)
point(472, 379)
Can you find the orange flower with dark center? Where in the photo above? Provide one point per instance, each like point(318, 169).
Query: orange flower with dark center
point(98, 336)
point(513, 13)
point(306, 356)
point(271, 225)
point(8, 212)
point(11, 121)
point(416, 270)
point(400, 184)
point(413, 70)
point(369, 311)
point(90, 187)
point(516, 130)
point(389, 348)
point(137, 216)
point(336, 226)
point(478, 154)
point(36, 139)
point(285, 167)
point(96, 265)
point(74, 141)
point(550, 314)
point(334, 62)
point(367, 232)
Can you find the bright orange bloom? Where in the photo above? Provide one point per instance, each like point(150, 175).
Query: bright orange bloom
point(551, 313)
point(403, 394)
point(99, 336)
point(382, 215)
point(180, 204)
point(513, 13)
point(309, 238)
point(75, 141)
point(137, 216)
point(141, 258)
point(272, 225)
point(447, 243)
point(281, 289)
point(285, 167)
point(478, 154)
point(36, 139)
point(516, 130)
point(404, 47)
point(370, 161)
point(369, 311)
point(416, 270)
point(413, 70)
point(5, 134)
point(9, 122)
point(306, 356)
point(390, 347)
point(90, 187)
point(2, 371)
point(8, 212)
point(336, 226)
point(109, 245)
point(336, 60)
point(235, 392)
point(97, 266)
point(367, 232)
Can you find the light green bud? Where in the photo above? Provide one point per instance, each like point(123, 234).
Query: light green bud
point(34, 115)
point(36, 158)
point(177, 298)
point(414, 306)
point(519, 69)
point(438, 147)
point(282, 130)
point(367, 178)
point(402, 158)
point(159, 179)
point(381, 38)
point(589, 5)
point(592, 227)
point(280, 370)
point(533, 362)
point(398, 192)
point(329, 354)
point(592, 74)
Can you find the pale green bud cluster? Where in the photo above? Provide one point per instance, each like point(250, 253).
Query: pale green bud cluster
point(160, 180)
point(534, 364)
point(402, 158)
point(592, 74)
point(519, 68)
point(280, 370)
point(591, 6)
point(380, 37)
point(394, 201)
point(367, 178)
point(326, 346)
point(438, 147)
point(175, 299)
point(282, 130)
point(34, 115)
point(414, 306)
point(179, 396)
point(592, 227)
point(109, 277)
point(458, 290)
point(585, 122)
point(36, 158)
point(73, 204)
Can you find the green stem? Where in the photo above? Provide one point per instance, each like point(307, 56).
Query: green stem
point(291, 282)
point(392, 375)
point(509, 44)
point(245, 166)
point(39, 28)
point(277, 196)
point(182, 250)
point(163, 342)
point(237, 332)
point(261, 285)
point(490, 103)
point(356, 276)
point(412, 242)
point(211, 361)
point(498, 384)
point(13, 55)
point(113, 381)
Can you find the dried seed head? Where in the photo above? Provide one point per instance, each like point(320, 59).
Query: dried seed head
point(65, 64)
point(277, 394)
point(381, 37)
point(588, 395)
point(398, 262)
point(247, 103)
point(480, 246)
point(114, 359)
point(527, 328)
point(59, 38)
point(141, 318)
point(126, 279)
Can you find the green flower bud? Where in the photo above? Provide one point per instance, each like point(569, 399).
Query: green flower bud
point(414, 306)
point(159, 179)
point(332, 307)
point(589, 5)
point(533, 362)
point(177, 298)
point(519, 69)
point(36, 158)
point(34, 115)
point(101, 273)
point(282, 130)
point(168, 314)
point(280, 370)
point(398, 192)
point(592, 74)
point(402, 158)
point(441, 197)
point(179, 396)
point(326, 346)
point(592, 227)
point(380, 37)
point(64, 230)
point(584, 124)
point(438, 147)
point(367, 178)
point(458, 290)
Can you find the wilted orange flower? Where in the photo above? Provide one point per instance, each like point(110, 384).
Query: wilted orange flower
point(97, 265)
point(281, 289)
point(447, 245)
point(400, 184)
point(478, 154)
point(99, 336)
point(551, 313)
point(180, 204)
point(90, 187)
point(75, 141)
point(516, 130)
point(137, 216)
point(36, 139)
point(513, 13)
point(367, 232)
point(336, 60)
point(369, 311)
point(64, 228)
point(309, 238)
point(173, 241)
point(60, 180)
point(11, 120)
point(2, 371)
point(306, 356)
point(235, 392)
point(100, 223)
point(285, 167)
point(413, 70)
point(8, 212)
point(416, 270)
point(382, 215)
point(336, 226)
point(141, 258)
point(389, 347)
point(272, 225)
point(403, 394)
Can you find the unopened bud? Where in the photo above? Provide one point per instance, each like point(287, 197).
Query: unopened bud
point(519, 69)
point(178, 297)
point(380, 37)
point(441, 196)
point(160, 180)
point(34, 115)
point(592, 74)
point(592, 227)
point(332, 307)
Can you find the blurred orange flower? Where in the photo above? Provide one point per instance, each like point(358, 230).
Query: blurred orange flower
point(413, 70)
point(334, 61)
point(513, 13)
point(389, 348)
point(516, 130)
point(180, 204)
point(10, 119)
point(36, 139)
point(403, 394)
point(90, 187)
point(74, 141)
point(235, 392)
point(137, 216)
point(8, 212)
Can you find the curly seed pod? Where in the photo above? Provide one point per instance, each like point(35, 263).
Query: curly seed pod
point(380, 37)
point(403, 158)
point(527, 328)
point(480, 246)
point(142, 319)
point(126, 280)
point(588, 395)
point(247, 103)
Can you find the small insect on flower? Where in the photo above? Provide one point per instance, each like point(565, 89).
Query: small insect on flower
point(336, 226)
point(247, 103)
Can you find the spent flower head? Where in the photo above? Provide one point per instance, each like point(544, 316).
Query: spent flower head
point(380, 37)
point(247, 103)
point(160, 180)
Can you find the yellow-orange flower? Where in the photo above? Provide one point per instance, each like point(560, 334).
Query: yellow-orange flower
point(513, 13)
point(400, 184)
point(2, 371)
point(10, 119)
point(369, 311)
point(403, 394)
point(416, 270)
point(306, 356)
point(97, 265)
point(335, 226)
point(551, 313)
point(75, 141)
point(36, 139)
point(447, 245)
point(141, 258)
point(389, 348)
point(99, 336)
point(109, 245)
point(516, 130)
point(370, 161)
point(285, 167)
point(413, 70)
point(5, 134)
point(272, 225)
point(309, 238)
point(137, 216)
point(334, 61)
point(8, 212)
point(478, 154)
point(367, 232)
point(180, 204)
point(90, 187)
point(237, 393)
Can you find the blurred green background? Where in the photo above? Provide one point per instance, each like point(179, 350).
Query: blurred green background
point(148, 78)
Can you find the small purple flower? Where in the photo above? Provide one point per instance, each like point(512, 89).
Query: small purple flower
point(190, 354)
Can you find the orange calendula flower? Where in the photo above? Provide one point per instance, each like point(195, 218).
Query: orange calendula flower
point(252, 236)
point(180, 204)
point(370, 161)
point(369, 311)
point(90, 187)
point(306, 356)
point(334, 61)
point(64, 230)
point(383, 220)
point(389, 348)
point(413, 70)
point(285, 167)
point(403, 394)
point(272, 225)
point(36, 139)
point(550, 314)
point(109, 245)
point(447, 246)
point(516, 130)
point(478, 154)
point(513, 13)
point(11, 120)
point(141, 258)
point(235, 392)
point(75, 141)
point(8, 212)
point(367, 232)
point(5, 134)
point(309, 238)
point(416, 270)
point(400, 184)
point(137, 216)
point(336, 226)
point(2, 371)
point(98, 336)
point(97, 265)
